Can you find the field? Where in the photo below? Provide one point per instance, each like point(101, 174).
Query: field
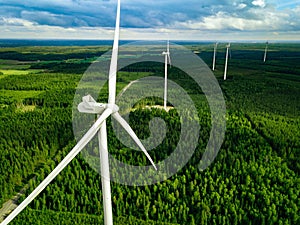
point(253, 180)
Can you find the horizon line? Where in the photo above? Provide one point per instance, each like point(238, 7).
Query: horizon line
point(175, 40)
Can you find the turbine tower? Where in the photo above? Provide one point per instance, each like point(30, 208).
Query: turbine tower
point(89, 105)
point(167, 60)
point(266, 50)
point(226, 60)
point(214, 57)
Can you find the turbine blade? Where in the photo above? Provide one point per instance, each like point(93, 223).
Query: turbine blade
point(129, 130)
point(169, 58)
point(77, 148)
point(112, 78)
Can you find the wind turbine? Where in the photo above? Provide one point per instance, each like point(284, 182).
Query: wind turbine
point(266, 50)
point(214, 57)
point(226, 60)
point(103, 110)
point(167, 60)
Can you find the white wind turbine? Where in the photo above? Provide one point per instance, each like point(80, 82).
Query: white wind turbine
point(167, 60)
point(266, 50)
point(214, 57)
point(226, 60)
point(89, 105)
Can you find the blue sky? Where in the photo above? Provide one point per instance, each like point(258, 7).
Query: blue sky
point(152, 19)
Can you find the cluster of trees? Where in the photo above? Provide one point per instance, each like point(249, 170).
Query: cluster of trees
point(52, 54)
point(42, 81)
point(271, 104)
point(28, 142)
point(247, 184)
point(282, 134)
point(253, 180)
point(72, 67)
point(54, 217)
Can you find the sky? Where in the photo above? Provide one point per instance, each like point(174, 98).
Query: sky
point(251, 20)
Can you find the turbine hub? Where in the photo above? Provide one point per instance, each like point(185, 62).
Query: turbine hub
point(114, 108)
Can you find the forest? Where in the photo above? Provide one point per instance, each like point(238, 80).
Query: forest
point(253, 180)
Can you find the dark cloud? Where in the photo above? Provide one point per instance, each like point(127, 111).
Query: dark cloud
point(61, 13)
point(147, 13)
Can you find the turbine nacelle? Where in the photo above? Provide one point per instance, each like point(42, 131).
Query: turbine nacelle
point(167, 54)
point(89, 105)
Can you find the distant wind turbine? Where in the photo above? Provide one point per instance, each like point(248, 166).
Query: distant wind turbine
point(266, 50)
point(214, 57)
point(226, 60)
point(89, 105)
point(167, 60)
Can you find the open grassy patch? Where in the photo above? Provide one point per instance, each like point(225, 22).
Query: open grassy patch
point(18, 72)
point(25, 108)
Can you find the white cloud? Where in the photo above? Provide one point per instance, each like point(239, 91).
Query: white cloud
point(223, 21)
point(254, 19)
point(16, 22)
point(260, 3)
point(54, 32)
